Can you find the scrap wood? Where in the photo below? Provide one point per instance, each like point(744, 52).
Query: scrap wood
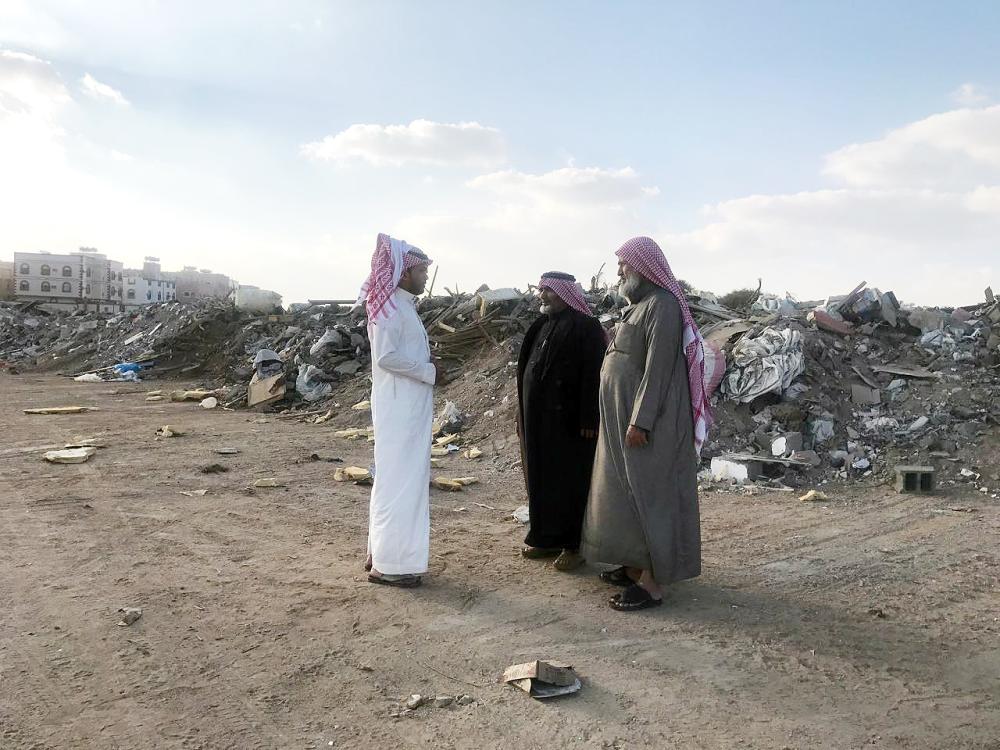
point(870, 382)
point(62, 410)
point(906, 372)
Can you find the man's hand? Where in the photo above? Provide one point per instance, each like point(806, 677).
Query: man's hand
point(439, 371)
point(589, 434)
point(636, 437)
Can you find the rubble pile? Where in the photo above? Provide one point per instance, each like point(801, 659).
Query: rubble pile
point(177, 338)
point(846, 387)
point(852, 388)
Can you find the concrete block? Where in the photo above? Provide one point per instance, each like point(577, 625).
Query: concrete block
point(915, 479)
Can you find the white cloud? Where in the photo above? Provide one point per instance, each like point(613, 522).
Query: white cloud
point(918, 212)
point(572, 187)
point(29, 86)
point(970, 95)
point(420, 142)
point(101, 91)
point(955, 150)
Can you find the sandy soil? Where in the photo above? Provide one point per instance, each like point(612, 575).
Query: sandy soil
point(867, 621)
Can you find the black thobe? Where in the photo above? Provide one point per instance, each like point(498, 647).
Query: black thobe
point(558, 379)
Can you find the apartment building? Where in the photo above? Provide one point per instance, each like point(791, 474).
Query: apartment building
point(85, 278)
point(149, 284)
point(6, 280)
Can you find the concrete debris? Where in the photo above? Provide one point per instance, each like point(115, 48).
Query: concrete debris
point(814, 496)
point(850, 374)
point(268, 482)
point(70, 456)
point(129, 615)
point(352, 474)
point(452, 485)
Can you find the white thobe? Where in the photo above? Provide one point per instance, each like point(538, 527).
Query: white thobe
point(402, 408)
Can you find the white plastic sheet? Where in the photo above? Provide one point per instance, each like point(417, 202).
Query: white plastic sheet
point(767, 363)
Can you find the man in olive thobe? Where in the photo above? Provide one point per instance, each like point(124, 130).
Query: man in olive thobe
point(642, 512)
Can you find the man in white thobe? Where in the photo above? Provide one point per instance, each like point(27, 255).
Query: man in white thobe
point(403, 377)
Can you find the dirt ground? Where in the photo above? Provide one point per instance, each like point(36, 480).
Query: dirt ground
point(869, 621)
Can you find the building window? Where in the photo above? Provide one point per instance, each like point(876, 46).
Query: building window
point(88, 273)
point(131, 280)
point(67, 272)
point(131, 293)
point(46, 287)
point(149, 295)
point(24, 286)
point(187, 294)
point(46, 271)
point(25, 269)
point(159, 296)
point(87, 290)
point(67, 288)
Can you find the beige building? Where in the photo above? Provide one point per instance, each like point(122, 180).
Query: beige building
point(6, 280)
point(82, 279)
point(194, 284)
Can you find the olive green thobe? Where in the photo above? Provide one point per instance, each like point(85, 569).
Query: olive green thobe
point(643, 506)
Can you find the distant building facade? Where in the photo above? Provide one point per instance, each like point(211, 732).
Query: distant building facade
point(194, 284)
point(6, 280)
point(85, 278)
point(148, 285)
point(89, 279)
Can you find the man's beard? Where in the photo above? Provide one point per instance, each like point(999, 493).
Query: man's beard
point(545, 309)
point(631, 284)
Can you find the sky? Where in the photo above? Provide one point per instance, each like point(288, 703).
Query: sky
point(810, 145)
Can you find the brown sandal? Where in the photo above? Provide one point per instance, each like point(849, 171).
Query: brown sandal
point(400, 582)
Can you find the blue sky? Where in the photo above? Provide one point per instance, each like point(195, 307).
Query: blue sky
point(811, 144)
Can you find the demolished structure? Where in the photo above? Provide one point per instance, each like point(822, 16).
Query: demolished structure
point(843, 388)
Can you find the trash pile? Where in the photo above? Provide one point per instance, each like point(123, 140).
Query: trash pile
point(846, 387)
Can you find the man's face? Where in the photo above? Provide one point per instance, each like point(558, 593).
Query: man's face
point(629, 279)
point(552, 303)
point(415, 280)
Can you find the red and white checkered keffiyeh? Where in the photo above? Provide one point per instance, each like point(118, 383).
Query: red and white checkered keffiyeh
point(389, 261)
point(568, 290)
point(645, 256)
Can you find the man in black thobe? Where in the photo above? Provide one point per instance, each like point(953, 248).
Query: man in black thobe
point(558, 379)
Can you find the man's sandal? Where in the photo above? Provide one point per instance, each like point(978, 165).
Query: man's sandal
point(617, 577)
point(632, 599)
point(401, 582)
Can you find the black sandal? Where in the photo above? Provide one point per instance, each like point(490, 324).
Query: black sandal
point(632, 599)
point(617, 577)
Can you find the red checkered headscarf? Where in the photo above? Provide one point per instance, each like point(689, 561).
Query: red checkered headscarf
point(389, 261)
point(569, 291)
point(645, 256)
